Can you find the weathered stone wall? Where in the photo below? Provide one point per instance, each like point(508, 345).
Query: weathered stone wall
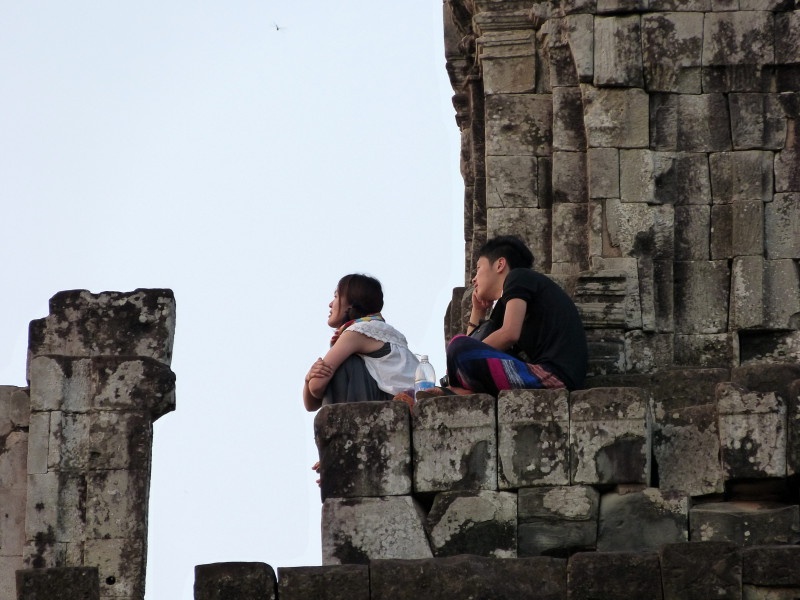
point(75, 446)
point(648, 154)
point(684, 489)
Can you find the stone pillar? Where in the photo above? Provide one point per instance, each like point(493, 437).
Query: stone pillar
point(14, 423)
point(99, 377)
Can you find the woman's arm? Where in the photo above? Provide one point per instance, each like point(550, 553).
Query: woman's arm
point(350, 342)
point(509, 333)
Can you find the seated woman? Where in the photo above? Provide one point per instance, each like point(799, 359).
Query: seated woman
point(368, 358)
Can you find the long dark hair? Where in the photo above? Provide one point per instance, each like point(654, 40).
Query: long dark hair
point(362, 293)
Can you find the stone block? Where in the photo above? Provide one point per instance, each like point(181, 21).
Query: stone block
point(113, 504)
point(692, 233)
point(781, 294)
point(757, 121)
point(14, 461)
point(769, 346)
point(752, 430)
point(689, 122)
point(12, 522)
point(672, 44)
point(606, 351)
point(614, 576)
point(532, 225)
point(711, 350)
point(563, 71)
point(648, 352)
point(64, 582)
point(747, 224)
point(793, 428)
point(769, 377)
point(532, 438)
point(640, 521)
point(455, 443)
point(782, 226)
point(234, 581)
point(608, 436)
point(616, 117)
point(721, 237)
point(787, 168)
point(701, 297)
point(679, 178)
point(686, 448)
point(508, 61)
point(603, 172)
point(519, 125)
point(701, 570)
point(512, 181)
point(120, 440)
point(640, 229)
point(787, 38)
point(69, 441)
point(538, 578)
point(9, 565)
point(569, 177)
point(570, 234)
point(359, 530)
point(618, 52)
point(364, 449)
point(569, 133)
point(747, 292)
point(677, 388)
point(41, 514)
point(771, 565)
point(609, 296)
point(737, 45)
point(483, 523)
point(680, 5)
point(334, 582)
point(61, 383)
point(121, 564)
point(140, 384)
point(15, 408)
point(741, 176)
point(745, 523)
point(556, 521)
point(138, 323)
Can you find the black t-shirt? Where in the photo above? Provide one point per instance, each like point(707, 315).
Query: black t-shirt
point(552, 333)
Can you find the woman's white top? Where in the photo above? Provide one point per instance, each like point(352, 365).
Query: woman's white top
point(393, 372)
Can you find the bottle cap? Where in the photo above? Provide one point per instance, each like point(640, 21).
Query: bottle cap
point(423, 357)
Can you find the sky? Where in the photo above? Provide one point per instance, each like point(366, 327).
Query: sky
point(246, 155)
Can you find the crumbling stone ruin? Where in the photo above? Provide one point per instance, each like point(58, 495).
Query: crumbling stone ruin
point(648, 154)
point(76, 444)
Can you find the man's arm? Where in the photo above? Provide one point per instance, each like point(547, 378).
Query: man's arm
point(511, 330)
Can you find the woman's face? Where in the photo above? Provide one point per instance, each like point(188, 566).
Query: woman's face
point(338, 314)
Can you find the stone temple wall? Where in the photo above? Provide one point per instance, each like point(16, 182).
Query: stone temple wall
point(75, 446)
point(647, 151)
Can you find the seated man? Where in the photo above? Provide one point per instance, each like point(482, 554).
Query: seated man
point(537, 340)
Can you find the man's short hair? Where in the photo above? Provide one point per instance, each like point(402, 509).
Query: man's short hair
point(511, 248)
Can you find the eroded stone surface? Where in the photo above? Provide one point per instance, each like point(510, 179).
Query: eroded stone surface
point(455, 443)
point(645, 520)
point(65, 582)
point(557, 521)
point(614, 576)
point(364, 449)
point(539, 578)
point(745, 523)
point(608, 436)
point(333, 582)
point(359, 530)
point(483, 523)
point(701, 570)
point(533, 438)
point(234, 581)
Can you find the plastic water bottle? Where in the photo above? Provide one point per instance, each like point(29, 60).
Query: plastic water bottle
point(425, 377)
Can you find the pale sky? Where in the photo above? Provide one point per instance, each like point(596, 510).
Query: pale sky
point(197, 147)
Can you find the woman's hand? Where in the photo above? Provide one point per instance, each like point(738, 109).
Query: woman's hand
point(319, 369)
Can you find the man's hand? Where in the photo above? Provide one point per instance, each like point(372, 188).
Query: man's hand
point(479, 306)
